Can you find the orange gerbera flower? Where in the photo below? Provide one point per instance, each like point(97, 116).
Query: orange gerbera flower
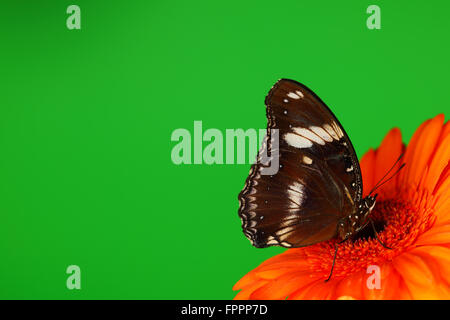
point(413, 217)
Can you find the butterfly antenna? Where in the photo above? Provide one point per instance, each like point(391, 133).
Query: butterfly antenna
point(387, 180)
point(381, 182)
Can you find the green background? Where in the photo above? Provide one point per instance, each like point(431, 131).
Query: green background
point(86, 118)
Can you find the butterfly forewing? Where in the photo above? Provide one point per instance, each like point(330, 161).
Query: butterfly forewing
point(319, 179)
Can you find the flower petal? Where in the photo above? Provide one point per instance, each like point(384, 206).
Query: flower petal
point(390, 149)
point(245, 281)
point(351, 286)
point(247, 291)
point(442, 211)
point(438, 257)
point(435, 236)
point(421, 149)
point(318, 290)
point(438, 163)
point(411, 150)
point(282, 287)
point(419, 278)
point(442, 188)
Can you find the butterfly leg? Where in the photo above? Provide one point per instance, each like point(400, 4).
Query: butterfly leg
point(376, 235)
point(334, 258)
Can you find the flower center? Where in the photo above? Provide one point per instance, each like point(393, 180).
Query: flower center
point(398, 224)
point(368, 232)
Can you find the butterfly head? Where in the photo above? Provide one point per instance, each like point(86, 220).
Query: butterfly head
point(353, 223)
point(369, 202)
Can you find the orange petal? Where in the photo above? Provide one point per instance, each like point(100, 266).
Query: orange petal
point(295, 256)
point(422, 148)
point(442, 188)
point(438, 257)
point(436, 235)
point(290, 262)
point(283, 286)
point(438, 163)
point(445, 132)
point(318, 290)
point(246, 280)
point(403, 292)
point(442, 211)
point(390, 149)
point(410, 151)
point(419, 278)
point(351, 286)
point(246, 292)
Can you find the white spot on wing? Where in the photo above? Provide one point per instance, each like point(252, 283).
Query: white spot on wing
point(286, 244)
point(296, 141)
point(299, 93)
point(331, 131)
point(309, 134)
point(307, 160)
point(295, 193)
point(321, 133)
point(272, 241)
point(285, 230)
point(337, 129)
point(293, 95)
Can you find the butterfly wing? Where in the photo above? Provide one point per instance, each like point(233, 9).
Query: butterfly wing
point(318, 181)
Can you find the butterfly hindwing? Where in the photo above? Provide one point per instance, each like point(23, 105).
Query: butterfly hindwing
point(319, 179)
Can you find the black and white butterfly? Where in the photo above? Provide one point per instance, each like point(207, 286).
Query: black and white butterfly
point(316, 195)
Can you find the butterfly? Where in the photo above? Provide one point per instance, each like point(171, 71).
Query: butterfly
point(316, 195)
